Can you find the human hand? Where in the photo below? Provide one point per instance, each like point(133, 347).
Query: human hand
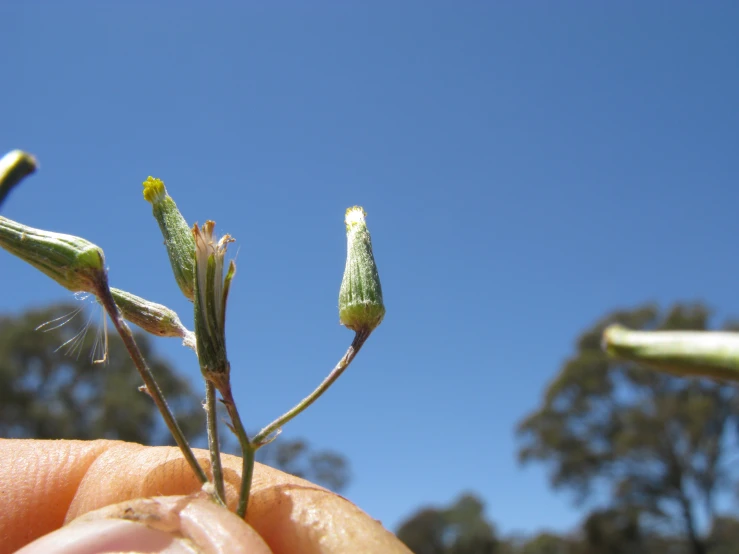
point(47, 484)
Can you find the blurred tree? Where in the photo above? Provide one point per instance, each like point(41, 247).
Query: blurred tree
point(724, 536)
point(50, 389)
point(609, 531)
point(294, 456)
point(659, 442)
point(546, 543)
point(458, 529)
point(612, 531)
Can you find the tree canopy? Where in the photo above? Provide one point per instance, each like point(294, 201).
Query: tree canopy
point(660, 446)
point(457, 529)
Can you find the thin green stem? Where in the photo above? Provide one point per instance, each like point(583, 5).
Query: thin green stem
point(248, 476)
point(359, 339)
point(213, 446)
point(106, 299)
point(248, 450)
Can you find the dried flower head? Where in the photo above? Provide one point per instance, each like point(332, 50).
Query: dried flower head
point(211, 295)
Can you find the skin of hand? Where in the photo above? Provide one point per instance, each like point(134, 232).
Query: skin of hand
point(142, 498)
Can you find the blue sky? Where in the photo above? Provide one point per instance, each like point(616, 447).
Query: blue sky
point(526, 168)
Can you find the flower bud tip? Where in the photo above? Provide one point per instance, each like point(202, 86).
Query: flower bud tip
point(154, 190)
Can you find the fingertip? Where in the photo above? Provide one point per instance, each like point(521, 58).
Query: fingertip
point(45, 476)
point(295, 515)
point(126, 471)
point(171, 525)
point(92, 537)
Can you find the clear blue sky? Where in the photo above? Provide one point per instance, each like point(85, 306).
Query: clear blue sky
point(526, 168)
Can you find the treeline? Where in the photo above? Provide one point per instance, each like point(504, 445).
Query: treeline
point(462, 528)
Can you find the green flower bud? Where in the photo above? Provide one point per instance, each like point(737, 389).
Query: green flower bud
point(360, 296)
point(177, 235)
point(14, 166)
point(151, 317)
point(211, 295)
point(73, 262)
point(713, 354)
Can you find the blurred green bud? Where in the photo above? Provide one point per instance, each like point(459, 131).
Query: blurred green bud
point(211, 295)
point(73, 262)
point(14, 166)
point(713, 354)
point(177, 234)
point(150, 316)
point(360, 297)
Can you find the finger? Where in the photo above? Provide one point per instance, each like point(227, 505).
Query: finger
point(291, 514)
point(171, 525)
point(39, 480)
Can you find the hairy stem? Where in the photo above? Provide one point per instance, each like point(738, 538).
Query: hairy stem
point(106, 299)
point(213, 446)
point(359, 339)
point(247, 450)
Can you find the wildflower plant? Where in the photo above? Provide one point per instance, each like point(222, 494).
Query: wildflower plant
point(198, 260)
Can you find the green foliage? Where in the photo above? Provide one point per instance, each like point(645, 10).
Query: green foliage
point(660, 443)
point(459, 529)
point(546, 543)
point(612, 531)
point(328, 468)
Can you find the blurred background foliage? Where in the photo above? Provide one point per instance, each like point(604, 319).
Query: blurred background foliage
point(51, 389)
point(650, 458)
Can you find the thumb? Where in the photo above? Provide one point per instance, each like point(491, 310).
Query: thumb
point(172, 525)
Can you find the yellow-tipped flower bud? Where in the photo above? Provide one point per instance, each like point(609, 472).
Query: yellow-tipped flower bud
point(177, 235)
point(73, 262)
point(360, 298)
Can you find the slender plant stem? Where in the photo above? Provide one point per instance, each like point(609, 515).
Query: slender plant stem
point(359, 340)
point(248, 476)
point(106, 299)
point(213, 446)
point(247, 449)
